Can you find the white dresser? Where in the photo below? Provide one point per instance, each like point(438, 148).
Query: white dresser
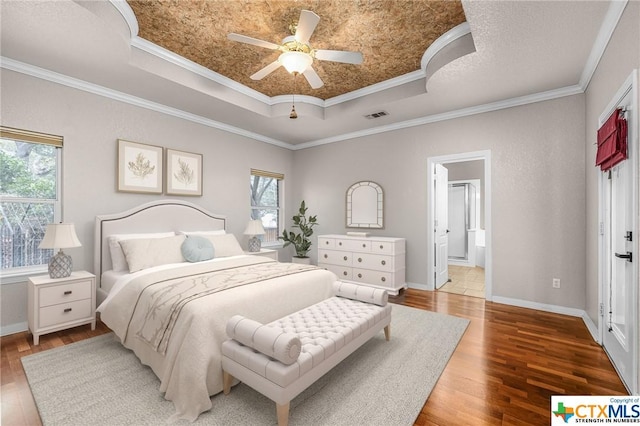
point(375, 261)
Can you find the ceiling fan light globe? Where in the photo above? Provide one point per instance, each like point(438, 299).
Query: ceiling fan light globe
point(295, 62)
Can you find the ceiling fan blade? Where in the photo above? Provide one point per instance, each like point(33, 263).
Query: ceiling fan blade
point(306, 25)
point(254, 41)
point(313, 78)
point(266, 71)
point(339, 56)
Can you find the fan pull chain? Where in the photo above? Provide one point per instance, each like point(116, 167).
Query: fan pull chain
point(293, 114)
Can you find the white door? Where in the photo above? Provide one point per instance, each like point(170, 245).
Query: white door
point(619, 304)
point(441, 224)
point(619, 254)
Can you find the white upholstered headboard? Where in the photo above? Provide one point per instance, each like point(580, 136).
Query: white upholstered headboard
point(155, 216)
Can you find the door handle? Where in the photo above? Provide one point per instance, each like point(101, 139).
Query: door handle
point(627, 256)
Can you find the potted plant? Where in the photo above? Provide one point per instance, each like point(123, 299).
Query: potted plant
point(301, 242)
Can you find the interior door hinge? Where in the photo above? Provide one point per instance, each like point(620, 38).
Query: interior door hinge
point(602, 309)
point(601, 228)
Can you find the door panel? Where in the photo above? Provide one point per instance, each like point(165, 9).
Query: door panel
point(618, 338)
point(441, 226)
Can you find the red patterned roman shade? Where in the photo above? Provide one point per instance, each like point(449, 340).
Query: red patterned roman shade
point(612, 141)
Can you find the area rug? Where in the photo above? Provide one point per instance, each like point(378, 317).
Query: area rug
point(99, 382)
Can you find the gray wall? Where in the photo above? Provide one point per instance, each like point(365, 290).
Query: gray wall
point(621, 57)
point(91, 125)
point(537, 188)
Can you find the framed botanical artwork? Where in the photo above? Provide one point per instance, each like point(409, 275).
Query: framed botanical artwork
point(140, 167)
point(184, 173)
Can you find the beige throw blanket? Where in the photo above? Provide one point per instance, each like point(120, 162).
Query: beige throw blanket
point(161, 302)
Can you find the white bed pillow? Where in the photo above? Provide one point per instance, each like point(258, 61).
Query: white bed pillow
point(203, 233)
point(225, 245)
point(118, 261)
point(145, 253)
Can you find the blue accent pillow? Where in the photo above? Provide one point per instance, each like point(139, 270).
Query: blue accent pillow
point(197, 249)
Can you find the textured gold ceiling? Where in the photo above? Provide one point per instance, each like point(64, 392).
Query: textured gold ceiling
point(392, 36)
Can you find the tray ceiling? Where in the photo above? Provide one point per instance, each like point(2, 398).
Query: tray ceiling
point(392, 36)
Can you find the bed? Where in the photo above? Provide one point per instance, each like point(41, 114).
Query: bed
point(181, 340)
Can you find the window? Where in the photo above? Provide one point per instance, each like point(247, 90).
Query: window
point(29, 197)
point(266, 189)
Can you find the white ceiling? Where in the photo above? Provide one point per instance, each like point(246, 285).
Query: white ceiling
point(525, 51)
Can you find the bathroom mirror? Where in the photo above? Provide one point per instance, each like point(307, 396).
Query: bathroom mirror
point(365, 205)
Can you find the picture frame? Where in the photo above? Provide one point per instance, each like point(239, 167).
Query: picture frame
point(184, 173)
point(140, 167)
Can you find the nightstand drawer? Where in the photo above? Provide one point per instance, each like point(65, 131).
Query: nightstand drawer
point(71, 292)
point(65, 312)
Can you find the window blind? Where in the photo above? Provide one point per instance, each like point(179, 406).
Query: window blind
point(28, 136)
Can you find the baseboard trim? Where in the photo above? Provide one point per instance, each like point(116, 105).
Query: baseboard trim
point(592, 327)
point(419, 286)
point(556, 309)
point(14, 328)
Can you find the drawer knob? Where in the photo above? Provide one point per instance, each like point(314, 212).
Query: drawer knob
point(68, 292)
point(364, 245)
point(67, 310)
point(326, 256)
point(381, 246)
point(359, 275)
point(326, 242)
point(345, 258)
point(340, 243)
point(384, 262)
point(359, 259)
point(344, 273)
point(383, 279)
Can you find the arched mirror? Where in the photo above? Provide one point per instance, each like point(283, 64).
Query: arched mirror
point(365, 205)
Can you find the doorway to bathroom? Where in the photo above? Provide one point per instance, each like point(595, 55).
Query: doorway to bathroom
point(463, 227)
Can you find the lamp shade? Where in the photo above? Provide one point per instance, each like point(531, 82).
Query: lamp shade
point(254, 227)
point(295, 62)
point(60, 235)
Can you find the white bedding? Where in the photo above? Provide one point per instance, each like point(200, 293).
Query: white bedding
point(190, 371)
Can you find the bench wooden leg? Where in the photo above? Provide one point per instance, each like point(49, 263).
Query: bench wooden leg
point(227, 379)
point(283, 414)
point(387, 332)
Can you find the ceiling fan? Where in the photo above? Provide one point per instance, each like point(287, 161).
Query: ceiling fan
point(297, 54)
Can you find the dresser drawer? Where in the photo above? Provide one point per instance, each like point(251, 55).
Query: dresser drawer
point(54, 295)
point(353, 245)
point(65, 312)
point(326, 243)
point(342, 272)
point(366, 276)
point(387, 247)
point(334, 257)
point(377, 262)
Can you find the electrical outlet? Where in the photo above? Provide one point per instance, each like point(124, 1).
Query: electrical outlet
point(556, 283)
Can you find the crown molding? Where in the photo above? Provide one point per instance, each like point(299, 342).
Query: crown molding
point(54, 77)
point(464, 112)
point(609, 24)
point(127, 13)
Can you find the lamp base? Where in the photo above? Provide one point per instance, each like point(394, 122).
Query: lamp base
point(254, 244)
point(60, 265)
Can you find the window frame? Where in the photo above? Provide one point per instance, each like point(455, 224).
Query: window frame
point(279, 208)
point(18, 274)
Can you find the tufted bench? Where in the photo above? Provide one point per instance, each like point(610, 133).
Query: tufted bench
point(284, 357)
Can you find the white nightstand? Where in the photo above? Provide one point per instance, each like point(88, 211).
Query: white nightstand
point(273, 254)
point(60, 303)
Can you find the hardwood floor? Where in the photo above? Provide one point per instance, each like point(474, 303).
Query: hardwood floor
point(504, 371)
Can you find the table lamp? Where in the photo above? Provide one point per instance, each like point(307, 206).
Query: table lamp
point(254, 228)
point(60, 235)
